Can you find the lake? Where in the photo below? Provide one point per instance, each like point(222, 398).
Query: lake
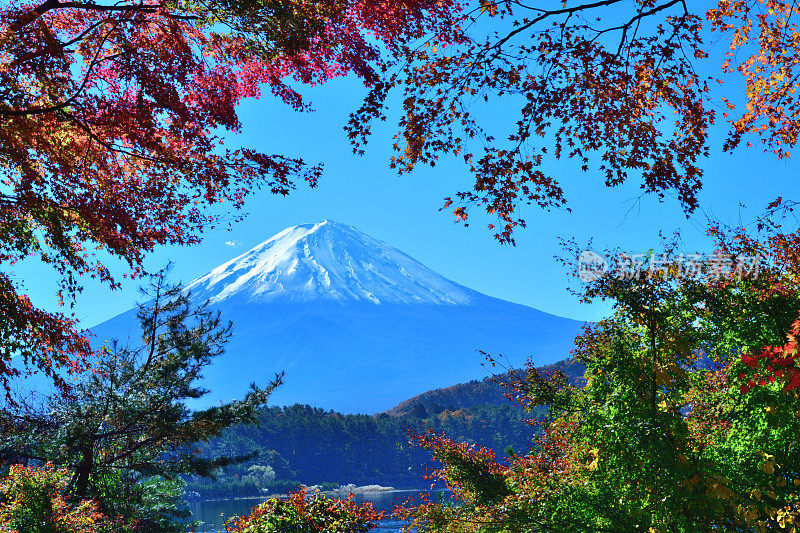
point(215, 513)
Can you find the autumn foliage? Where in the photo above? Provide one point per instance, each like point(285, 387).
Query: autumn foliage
point(300, 512)
point(623, 90)
point(688, 419)
point(34, 501)
point(774, 364)
point(112, 118)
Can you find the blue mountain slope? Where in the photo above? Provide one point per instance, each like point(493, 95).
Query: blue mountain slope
point(358, 326)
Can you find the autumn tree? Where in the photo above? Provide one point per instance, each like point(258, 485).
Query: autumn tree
point(688, 420)
point(112, 116)
point(627, 90)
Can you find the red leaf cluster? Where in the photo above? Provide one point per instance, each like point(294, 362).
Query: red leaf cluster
point(775, 363)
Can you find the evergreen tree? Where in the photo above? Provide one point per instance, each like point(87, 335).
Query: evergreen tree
point(125, 431)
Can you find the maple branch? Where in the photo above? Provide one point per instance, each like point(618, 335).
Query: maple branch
point(63, 46)
point(674, 34)
point(644, 14)
point(84, 33)
point(69, 101)
point(563, 11)
point(569, 11)
point(624, 37)
point(110, 147)
point(785, 90)
point(8, 199)
point(51, 5)
point(551, 13)
point(788, 18)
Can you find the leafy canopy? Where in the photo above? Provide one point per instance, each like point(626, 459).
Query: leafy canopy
point(688, 420)
point(624, 89)
point(112, 117)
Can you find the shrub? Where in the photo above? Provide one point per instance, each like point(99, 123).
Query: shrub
point(298, 514)
point(33, 502)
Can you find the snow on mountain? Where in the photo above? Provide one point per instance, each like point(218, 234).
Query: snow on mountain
point(357, 325)
point(327, 261)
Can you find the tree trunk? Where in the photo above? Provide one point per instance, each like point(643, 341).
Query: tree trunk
point(80, 480)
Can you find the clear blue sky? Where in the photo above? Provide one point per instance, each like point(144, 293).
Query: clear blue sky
point(403, 211)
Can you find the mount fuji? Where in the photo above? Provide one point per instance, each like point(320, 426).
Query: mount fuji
point(358, 326)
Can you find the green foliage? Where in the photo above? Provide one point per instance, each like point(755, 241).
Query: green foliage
point(125, 432)
point(678, 428)
point(153, 504)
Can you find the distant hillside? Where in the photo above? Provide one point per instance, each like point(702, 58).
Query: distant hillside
point(472, 393)
point(302, 444)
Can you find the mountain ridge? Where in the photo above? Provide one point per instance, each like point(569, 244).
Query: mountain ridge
point(478, 392)
point(328, 261)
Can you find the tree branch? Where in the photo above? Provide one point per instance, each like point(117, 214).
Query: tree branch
point(71, 100)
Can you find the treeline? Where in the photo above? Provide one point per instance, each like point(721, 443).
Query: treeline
point(489, 390)
point(308, 445)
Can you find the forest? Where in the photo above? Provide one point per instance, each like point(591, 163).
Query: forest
point(310, 446)
point(121, 127)
point(304, 445)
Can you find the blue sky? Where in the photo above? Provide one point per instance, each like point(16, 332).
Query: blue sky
point(404, 210)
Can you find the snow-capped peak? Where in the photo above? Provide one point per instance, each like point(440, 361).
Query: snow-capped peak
point(327, 261)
